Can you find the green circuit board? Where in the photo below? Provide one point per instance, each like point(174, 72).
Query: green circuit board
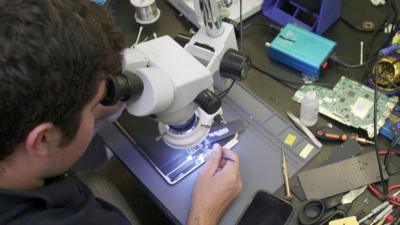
point(351, 103)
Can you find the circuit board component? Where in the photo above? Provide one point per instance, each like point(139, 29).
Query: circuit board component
point(351, 103)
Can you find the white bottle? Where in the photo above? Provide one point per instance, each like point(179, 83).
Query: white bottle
point(309, 109)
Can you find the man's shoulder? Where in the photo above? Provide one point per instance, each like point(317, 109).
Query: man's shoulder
point(63, 200)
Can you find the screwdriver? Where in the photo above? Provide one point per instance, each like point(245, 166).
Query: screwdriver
point(331, 134)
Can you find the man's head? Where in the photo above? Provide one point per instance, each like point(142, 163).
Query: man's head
point(54, 56)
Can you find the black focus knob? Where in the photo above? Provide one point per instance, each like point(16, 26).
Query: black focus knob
point(234, 65)
point(208, 101)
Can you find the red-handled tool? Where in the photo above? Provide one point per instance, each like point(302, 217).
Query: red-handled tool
point(331, 134)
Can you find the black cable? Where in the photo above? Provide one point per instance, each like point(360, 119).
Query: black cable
point(391, 6)
point(226, 91)
point(336, 59)
point(384, 185)
point(393, 85)
point(287, 81)
point(388, 156)
point(356, 27)
point(270, 26)
point(241, 26)
point(280, 79)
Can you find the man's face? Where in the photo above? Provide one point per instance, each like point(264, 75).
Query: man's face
point(63, 157)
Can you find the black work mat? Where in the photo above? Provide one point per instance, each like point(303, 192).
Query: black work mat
point(345, 151)
point(340, 177)
point(262, 123)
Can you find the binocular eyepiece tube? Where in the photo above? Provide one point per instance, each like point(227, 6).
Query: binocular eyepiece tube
point(122, 87)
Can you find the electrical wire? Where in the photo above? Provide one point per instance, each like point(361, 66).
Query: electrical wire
point(336, 59)
point(389, 154)
point(270, 26)
point(241, 25)
point(393, 199)
point(356, 27)
point(288, 82)
point(384, 185)
point(392, 6)
point(226, 91)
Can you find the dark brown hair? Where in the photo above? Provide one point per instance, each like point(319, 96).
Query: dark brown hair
point(52, 55)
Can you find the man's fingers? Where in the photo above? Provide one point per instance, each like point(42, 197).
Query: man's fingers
point(229, 154)
point(232, 161)
point(212, 163)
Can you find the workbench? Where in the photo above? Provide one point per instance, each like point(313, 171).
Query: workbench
point(275, 94)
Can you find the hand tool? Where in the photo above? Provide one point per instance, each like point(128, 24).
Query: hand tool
point(377, 209)
point(320, 212)
point(352, 220)
point(381, 217)
point(288, 195)
point(331, 134)
point(303, 128)
point(374, 211)
point(352, 195)
point(233, 142)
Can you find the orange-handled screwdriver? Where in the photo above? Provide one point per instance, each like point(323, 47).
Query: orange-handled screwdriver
point(331, 134)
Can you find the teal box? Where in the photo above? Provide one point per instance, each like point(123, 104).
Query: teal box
point(301, 49)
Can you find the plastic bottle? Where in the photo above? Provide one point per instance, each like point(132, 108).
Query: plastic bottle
point(309, 109)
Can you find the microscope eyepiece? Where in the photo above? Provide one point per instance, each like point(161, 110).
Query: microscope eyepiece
point(122, 87)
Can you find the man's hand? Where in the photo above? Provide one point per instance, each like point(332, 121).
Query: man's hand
point(217, 185)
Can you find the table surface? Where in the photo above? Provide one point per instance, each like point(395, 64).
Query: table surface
point(275, 94)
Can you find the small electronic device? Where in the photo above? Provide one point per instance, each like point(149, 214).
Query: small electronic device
point(301, 49)
point(351, 103)
point(266, 208)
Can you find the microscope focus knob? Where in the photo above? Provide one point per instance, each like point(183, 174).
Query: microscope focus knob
point(208, 101)
point(234, 65)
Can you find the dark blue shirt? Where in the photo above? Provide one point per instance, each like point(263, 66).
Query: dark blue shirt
point(64, 200)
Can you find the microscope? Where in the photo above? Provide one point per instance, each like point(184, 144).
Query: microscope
point(163, 81)
point(175, 86)
point(173, 94)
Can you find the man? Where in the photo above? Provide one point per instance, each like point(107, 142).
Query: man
point(54, 58)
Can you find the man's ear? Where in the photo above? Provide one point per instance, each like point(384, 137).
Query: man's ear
point(40, 138)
